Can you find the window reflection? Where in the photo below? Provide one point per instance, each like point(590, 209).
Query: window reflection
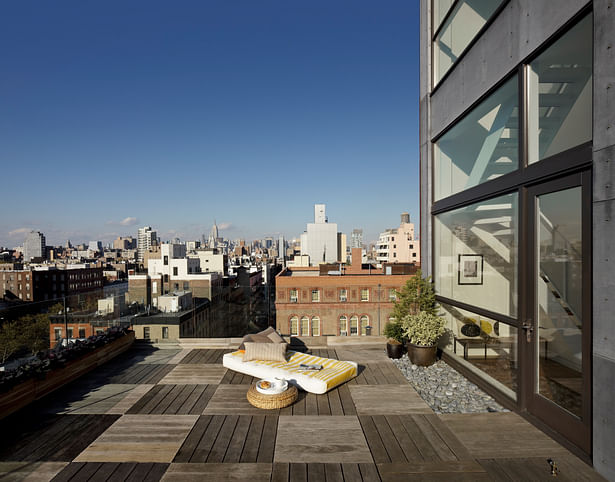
point(483, 146)
point(560, 94)
point(466, 20)
point(489, 345)
point(476, 254)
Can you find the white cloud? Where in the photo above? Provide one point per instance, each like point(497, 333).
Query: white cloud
point(226, 226)
point(19, 232)
point(129, 221)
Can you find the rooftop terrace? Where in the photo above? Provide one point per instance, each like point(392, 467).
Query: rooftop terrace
point(178, 414)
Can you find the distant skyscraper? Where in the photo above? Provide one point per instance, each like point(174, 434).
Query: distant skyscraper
point(319, 241)
point(356, 240)
point(146, 238)
point(213, 236)
point(34, 246)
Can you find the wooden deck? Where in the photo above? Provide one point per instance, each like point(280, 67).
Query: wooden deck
point(180, 415)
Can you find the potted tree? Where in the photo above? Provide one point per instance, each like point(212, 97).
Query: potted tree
point(394, 331)
point(423, 331)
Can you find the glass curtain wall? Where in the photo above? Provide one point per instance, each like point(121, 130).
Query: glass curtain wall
point(559, 86)
point(476, 254)
point(482, 146)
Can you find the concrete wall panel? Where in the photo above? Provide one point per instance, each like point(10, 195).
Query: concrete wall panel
point(604, 174)
point(604, 417)
point(604, 74)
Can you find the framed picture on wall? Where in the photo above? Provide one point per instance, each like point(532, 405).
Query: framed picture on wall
point(470, 269)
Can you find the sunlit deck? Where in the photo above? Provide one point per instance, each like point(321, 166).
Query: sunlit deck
point(176, 414)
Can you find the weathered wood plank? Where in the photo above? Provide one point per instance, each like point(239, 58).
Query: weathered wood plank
point(335, 404)
point(203, 399)
point(322, 402)
point(346, 399)
point(68, 472)
point(103, 474)
point(333, 473)
point(280, 473)
point(253, 439)
point(144, 400)
point(193, 439)
point(216, 455)
point(351, 472)
point(369, 472)
point(439, 445)
point(389, 439)
point(235, 447)
point(409, 448)
point(267, 445)
point(376, 446)
point(202, 450)
point(311, 404)
point(316, 472)
point(422, 444)
point(298, 473)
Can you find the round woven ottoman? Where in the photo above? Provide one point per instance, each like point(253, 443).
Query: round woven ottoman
point(270, 402)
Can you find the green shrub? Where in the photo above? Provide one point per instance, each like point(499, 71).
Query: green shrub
point(415, 296)
point(394, 329)
point(423, 329)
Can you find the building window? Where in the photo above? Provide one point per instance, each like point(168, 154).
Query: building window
point(154, 287)
point(57, 332)
point(343, 325)
point(392, 295)
point(166, 278)
point(70, 332)
point(186, 285)
point(343, 294)
point(174, 270)
point(305, 326)
point(176, 286)
point(460, 28)
point(364, 324)
point(166, 261)
point(354, 325)
point(293, 295)
point(560, 94)
point(165, 332)
point(482, 146)
point(294, 326)
point(475, 257)
point(146, 334)
point(81, 332)
point(315, 296)
point(365, 294)
point(315, 326)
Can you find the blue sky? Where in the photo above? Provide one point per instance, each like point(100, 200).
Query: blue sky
point(115, 115)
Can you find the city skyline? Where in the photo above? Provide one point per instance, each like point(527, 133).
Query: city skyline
point(117, 117)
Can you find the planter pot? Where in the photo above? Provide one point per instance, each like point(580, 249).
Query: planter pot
point(422, 355)
point(395, 351)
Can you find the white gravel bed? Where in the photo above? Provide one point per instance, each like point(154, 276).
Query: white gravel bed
point(445, 390)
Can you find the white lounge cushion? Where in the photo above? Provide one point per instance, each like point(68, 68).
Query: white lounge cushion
point(333, 373)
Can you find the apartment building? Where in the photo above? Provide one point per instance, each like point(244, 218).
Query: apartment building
point(321, 301)
point(517, 139)
point(399, 245)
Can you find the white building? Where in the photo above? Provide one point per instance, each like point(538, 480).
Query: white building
point(211, 260)
point(174, 302)
point(319, 241)
point(34, 246)
point(146, 238)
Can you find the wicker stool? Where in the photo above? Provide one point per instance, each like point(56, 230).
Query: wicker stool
point(269, 402)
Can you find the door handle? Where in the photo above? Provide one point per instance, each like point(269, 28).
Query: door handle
point(528, 326)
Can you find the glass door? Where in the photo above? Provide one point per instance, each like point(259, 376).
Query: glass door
point(557, 328)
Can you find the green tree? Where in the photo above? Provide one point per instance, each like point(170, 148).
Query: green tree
point(10, 341)
point(415, 296)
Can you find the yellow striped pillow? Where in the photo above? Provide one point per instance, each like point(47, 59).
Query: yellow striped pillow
point(265, 351)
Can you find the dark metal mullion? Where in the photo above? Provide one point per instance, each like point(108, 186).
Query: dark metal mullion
point(449, 12)
point(479, 311)
point(575, 159)
point(586, 297)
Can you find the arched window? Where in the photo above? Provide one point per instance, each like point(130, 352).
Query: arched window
point(354, 325)
point(343, 325)
point(315, 326)
point(364, 324)
point(294, 326)
point(305, 326)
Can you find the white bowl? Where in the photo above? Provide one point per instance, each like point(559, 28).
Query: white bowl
point(277, 386)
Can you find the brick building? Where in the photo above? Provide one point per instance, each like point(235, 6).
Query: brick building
point(325, 301)
point(50, 282)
